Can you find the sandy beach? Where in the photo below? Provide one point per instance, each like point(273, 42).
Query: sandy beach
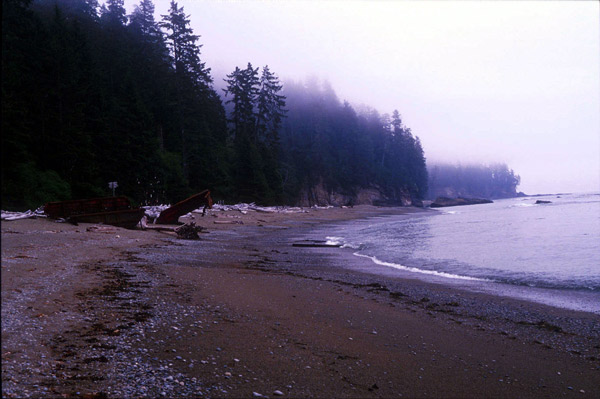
point(102, 312)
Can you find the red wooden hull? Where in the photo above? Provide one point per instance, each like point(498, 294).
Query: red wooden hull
point(127, 218)
point(115, 211)
point(171, 215)
point(65, 209)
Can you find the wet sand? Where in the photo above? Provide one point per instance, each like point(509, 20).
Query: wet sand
point(99, 311)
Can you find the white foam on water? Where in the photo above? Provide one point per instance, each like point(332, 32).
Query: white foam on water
point(340, 241)
point(334, 240)
point(416, 270)
point(520, 205)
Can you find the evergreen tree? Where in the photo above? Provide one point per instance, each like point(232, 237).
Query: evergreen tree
point(88, 98)
point(191, 75)
point(242, 86)
point(142, 21)
point(113, 12)
point(249, 179)
point(270, 109)
point(184, 50)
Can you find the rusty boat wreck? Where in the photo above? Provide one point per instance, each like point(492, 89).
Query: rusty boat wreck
point(171, 215)
point(115, 211)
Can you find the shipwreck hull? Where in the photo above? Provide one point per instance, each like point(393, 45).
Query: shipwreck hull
point(115, 211)
point(171, 215)
point(65, 209)
point(127, 218)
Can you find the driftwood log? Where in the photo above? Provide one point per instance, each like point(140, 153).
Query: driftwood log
point(188, 231)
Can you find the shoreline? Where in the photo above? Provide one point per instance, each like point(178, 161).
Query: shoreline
point(564, 299)
point(143, 314)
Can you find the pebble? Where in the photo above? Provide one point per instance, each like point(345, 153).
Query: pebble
point(256, 395)
point(278, 393)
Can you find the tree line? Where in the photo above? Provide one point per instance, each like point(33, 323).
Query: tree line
point(326, 141)
point(91, 94)
point(472, 181)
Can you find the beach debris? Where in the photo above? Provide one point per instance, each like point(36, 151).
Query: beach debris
point(126, 218)
point(244, 208)
point(116, 211)
point(100, 229)
point(315, 244)
point(65, 209)
point(145, 226)
point(153, 211)
point(8, 215)
point(171, 215)
point(188, 231)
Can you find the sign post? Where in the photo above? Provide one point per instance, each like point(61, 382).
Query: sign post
point(113, 185)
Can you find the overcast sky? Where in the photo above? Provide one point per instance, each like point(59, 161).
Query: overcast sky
point(477, 81)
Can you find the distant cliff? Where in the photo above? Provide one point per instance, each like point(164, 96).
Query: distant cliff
point(472, 181)
point(373, 195)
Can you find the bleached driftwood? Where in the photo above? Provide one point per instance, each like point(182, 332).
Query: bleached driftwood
point(9, 216)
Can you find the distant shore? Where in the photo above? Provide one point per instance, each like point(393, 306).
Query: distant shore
point(99, 310)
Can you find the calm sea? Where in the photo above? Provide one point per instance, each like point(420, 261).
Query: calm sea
point(512, 242)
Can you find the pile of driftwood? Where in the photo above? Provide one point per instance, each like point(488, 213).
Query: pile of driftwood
point(252, 207)
point(188, 231)
point(8, 215)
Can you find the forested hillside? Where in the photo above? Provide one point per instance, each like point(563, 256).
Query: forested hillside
point(92, 95)
point(472, 181)
point(331, 151)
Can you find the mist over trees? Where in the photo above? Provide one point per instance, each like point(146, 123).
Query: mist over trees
point(257, 110)
point(92, 95)
point(327, 143)
point(472, 181)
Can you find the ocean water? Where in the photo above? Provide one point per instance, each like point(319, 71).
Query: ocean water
point(512, 242)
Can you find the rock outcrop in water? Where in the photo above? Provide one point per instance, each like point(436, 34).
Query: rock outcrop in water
point(445, 201)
